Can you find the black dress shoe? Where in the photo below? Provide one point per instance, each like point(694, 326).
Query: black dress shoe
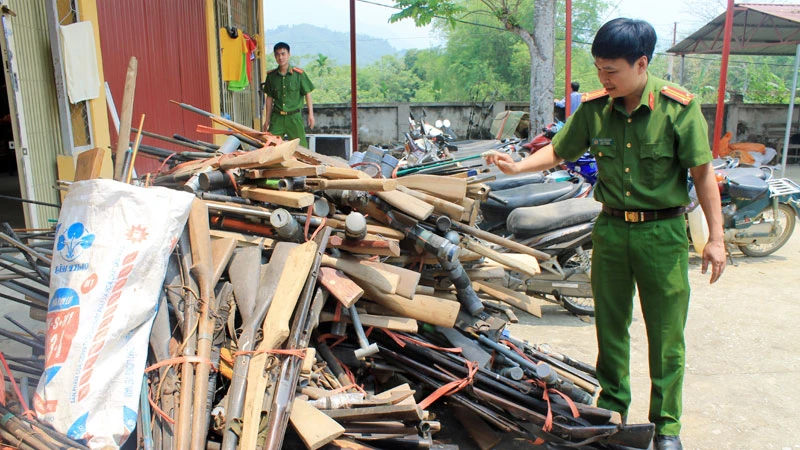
point(664, 442)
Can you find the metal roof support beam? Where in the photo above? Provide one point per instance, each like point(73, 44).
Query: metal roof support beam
point(790, 113)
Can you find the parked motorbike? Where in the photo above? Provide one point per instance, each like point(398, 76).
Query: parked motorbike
point(563, 230)
point(556, 218)
point(759, 212)
point(426, 142)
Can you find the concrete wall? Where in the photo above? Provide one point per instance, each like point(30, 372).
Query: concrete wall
point(385, 123)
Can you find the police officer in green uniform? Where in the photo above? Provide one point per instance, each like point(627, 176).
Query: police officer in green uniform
point(285, 89)
point(645, 133)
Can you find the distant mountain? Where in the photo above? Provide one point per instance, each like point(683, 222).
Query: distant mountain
point(307, 41)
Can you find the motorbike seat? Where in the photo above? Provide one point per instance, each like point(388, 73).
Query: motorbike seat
point(746, 187)
point(515, 181)
point(534, 220)
point(529, 195)
point(738, 172)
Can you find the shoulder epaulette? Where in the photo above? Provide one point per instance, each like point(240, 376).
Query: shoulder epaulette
point(594, 95)
point(297, 69)
point(679, 95)
point(273, 70)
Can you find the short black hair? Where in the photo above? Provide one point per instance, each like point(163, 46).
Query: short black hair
point(625, 38)
point(575, 86)
point(281, 45)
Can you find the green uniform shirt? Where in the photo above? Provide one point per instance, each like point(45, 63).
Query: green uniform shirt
point(287, 91)
point(642, 157)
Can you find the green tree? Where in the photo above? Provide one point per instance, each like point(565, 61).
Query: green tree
point(321, 65)
point(534, 23)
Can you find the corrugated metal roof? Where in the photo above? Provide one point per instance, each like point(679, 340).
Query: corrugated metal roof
point(758, 29)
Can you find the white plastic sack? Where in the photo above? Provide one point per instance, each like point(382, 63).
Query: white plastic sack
point(112, 244)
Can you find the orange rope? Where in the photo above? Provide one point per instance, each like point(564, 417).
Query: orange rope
point(155, 407)
point(453, 386)
point(181, 360)
point(27, 412)
point(401, 340)
point(325, 337)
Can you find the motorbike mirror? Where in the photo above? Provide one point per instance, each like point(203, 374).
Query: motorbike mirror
point(411, 116)
point(446, 123)
point(438, 123)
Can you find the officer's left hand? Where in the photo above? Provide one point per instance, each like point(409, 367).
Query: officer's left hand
point(311, 121)
point(714, 254)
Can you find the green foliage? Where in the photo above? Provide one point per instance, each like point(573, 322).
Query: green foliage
point(424, 11)
point(482, 61)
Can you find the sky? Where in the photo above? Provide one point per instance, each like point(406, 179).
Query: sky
point(372, 17)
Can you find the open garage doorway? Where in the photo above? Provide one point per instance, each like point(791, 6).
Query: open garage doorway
point(10, 209)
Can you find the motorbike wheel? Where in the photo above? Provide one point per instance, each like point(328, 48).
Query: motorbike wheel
point(581, 306)
point(785, 220)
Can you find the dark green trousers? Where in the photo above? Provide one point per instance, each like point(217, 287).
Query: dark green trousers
point(652, 257)
point(291, 125)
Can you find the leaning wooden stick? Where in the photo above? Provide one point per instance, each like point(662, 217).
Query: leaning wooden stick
point(125, 118)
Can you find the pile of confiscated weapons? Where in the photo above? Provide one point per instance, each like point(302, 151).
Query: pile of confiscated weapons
point(366, 311)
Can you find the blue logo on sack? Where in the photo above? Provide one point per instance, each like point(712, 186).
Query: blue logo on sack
point(72, 243)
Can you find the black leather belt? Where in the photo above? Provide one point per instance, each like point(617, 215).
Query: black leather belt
point(288, 113)
point(644, 216)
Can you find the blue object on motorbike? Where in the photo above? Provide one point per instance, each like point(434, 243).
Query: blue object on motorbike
point(586, 166)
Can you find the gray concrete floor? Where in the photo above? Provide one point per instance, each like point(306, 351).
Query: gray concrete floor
point(742, 384)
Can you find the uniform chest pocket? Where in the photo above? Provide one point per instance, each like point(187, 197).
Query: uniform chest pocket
point(656, 160)
point(605, 155)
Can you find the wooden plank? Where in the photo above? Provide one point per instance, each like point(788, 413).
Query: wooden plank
point(304, 171)
point(262, 157)
point(380, 247)
point(313, 426)
point(448, 188)
point(528, 266)
point(368, 185)
point(371, 413)
point(428, 309)
point(379, 279)
point(308, 360)
point(441, 206)
point(247, 239)
point(414, 207)
point(275, 330)
point(409, 279)
point(370, 320)
point(89, 164)
point(341, 173)
point(282, 198)
point(506, 295)
point(340, 286)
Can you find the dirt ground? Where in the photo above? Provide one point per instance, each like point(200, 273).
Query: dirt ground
point(742, 384)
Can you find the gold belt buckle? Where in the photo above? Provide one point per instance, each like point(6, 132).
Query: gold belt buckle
point(283, 113)
point(634, 216)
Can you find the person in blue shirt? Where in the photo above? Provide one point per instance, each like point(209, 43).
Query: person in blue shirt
point(574, 98)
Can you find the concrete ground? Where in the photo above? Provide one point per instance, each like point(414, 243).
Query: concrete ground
point(742, 384)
